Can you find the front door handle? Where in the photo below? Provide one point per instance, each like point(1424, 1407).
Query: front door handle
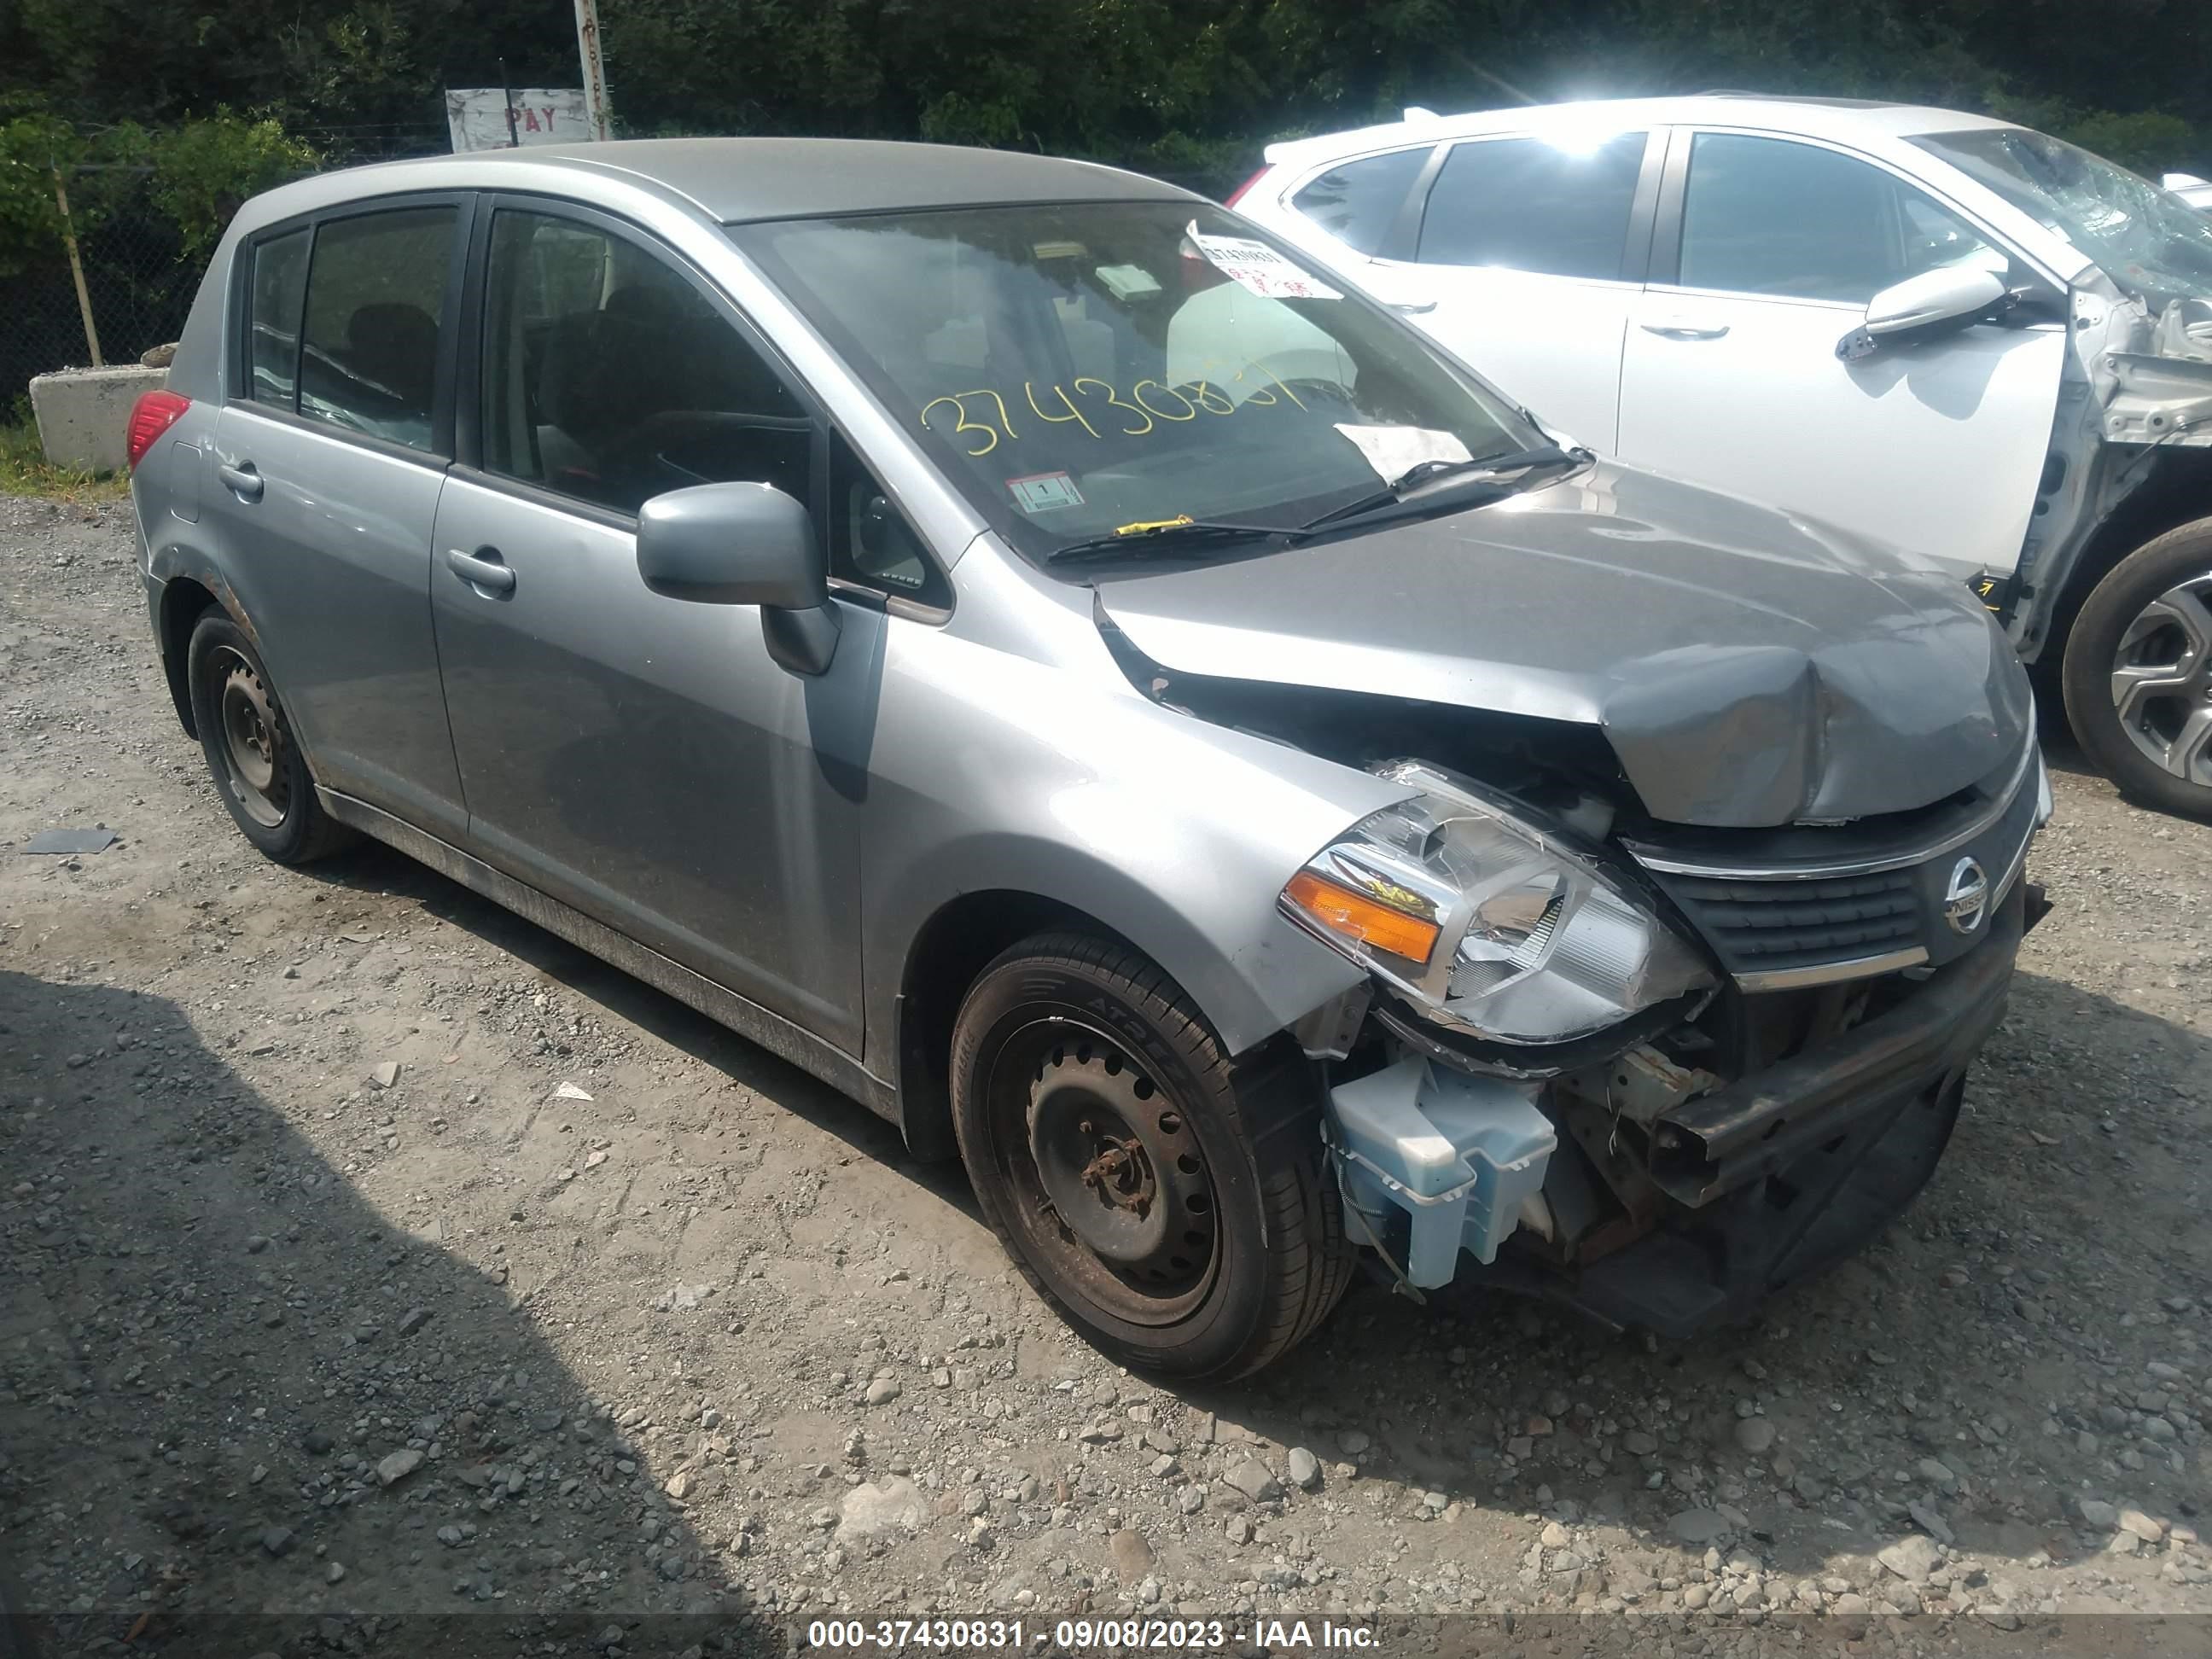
point(483, 568)
point(1413, 310)
point(241, 480)
point(1674, 330)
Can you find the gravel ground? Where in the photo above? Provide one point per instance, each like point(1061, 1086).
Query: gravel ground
point(365, 1250)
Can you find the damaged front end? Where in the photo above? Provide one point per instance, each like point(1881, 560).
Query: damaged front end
point(1655, 1077)
point(1650, 1071)
point(2131, 439)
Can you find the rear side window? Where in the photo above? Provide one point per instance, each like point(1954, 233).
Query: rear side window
point(1770, 216)
point(280, 285)
point(1530, 204)
point(1358, 201)
point(376, 295)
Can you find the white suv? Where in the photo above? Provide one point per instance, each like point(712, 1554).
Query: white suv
point(1973, 341)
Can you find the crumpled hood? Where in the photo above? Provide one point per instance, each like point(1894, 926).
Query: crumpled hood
point(1750, 668)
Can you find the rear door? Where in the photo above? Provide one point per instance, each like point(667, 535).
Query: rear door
point(330, 452)
point(1522, 254)
point(1767, 250)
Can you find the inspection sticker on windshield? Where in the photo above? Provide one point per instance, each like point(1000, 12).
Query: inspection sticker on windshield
point(1256, 266)
point(1042, 491)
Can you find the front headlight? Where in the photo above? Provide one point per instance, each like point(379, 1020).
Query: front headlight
point(1491, 925)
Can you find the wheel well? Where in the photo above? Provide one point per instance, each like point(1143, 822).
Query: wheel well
point(182, 600)
point(2178, 492)
point(952, 950)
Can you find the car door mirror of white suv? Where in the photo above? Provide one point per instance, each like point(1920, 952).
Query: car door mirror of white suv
point(1934, 302)
point(743, 543)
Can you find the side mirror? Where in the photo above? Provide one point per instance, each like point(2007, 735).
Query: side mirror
point(1934, 302)
point(743, 543)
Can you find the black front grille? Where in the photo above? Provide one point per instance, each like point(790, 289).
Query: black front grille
point(1760, 927)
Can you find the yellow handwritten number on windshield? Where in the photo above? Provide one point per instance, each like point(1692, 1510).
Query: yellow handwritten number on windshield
point(1115, 398)
point(964, 424)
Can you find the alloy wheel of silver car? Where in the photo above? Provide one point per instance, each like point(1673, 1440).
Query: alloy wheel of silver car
point(2161, 680)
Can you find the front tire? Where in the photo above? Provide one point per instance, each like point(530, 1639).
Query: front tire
point(251, 753)
point(1171, 1207)
point(2138, 672)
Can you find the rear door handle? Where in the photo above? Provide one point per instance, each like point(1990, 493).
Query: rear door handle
point(241, 480)
point(1674, 330)
point(483, 568)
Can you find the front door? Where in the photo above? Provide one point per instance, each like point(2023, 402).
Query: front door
point(637, 757)
point(1523, 268)
point(1730, 377)
point(329, 456)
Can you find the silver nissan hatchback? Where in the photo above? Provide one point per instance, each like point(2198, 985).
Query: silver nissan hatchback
point(1015, 640)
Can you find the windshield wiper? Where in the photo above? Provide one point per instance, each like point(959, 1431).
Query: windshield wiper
point(1422, 474)
point(1165, 540)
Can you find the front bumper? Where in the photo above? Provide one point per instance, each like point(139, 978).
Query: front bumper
point(1780, 1174)
point(1783, 1173)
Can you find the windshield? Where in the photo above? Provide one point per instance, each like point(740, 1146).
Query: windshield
point(1080, 369)
point(2146, 238)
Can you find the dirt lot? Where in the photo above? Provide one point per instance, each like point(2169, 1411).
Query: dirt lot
point(595, 1310)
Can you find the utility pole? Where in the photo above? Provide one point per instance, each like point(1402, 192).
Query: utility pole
point(76, 267)
point(595, 74)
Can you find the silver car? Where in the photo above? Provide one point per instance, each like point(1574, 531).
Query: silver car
point(1017, 640)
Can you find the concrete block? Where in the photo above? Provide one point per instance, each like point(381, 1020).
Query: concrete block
point(83, 413)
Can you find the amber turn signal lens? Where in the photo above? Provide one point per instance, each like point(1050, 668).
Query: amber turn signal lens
point(1357, 916)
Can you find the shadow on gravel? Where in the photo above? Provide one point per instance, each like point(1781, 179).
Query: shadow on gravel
point(375, 868)
point(230, 1389)
point(1484, 1402)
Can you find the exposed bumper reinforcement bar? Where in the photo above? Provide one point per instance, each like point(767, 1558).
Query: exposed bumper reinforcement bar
point(1786, 1172)
point(1720, 1141)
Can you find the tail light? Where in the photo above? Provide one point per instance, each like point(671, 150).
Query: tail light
point(150, 416)
point(1237, 194)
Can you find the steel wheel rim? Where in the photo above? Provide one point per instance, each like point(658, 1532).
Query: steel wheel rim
point(1108, 1184)
point(2161, 680)
point(252, 740)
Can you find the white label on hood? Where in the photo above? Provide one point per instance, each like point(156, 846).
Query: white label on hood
point(1256, 266)
point(1394, 451)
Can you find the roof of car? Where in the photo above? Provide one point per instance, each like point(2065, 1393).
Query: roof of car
point(1840, 120)
point(735, 179)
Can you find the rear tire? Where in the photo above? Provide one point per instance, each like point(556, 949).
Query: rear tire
point(2138, 672)
point(1173, 1207)
point(256, 761)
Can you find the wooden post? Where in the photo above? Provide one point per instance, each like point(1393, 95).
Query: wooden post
point(77, 268)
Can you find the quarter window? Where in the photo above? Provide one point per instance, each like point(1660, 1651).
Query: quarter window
point(610, 377)
point(1532, 205)
point(1769, 215)
point(376, 297)
point(280, 286)
point(1358, 203)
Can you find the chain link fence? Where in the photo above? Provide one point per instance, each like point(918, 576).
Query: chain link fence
point(116, 284)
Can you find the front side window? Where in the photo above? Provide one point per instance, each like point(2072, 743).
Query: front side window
point(279, 288)
point(2146, 238)
point(1770, 216)
point(1534, 204)
point(1077, 368)
point(609, 376)
point(1358, 202)
point(376, 297)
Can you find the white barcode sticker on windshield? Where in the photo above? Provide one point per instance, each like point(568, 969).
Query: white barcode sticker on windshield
point(1256, 266)
point(1042, 491)
point(1393, 451)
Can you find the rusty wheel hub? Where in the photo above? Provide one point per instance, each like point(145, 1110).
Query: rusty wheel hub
point(1119, 1165)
